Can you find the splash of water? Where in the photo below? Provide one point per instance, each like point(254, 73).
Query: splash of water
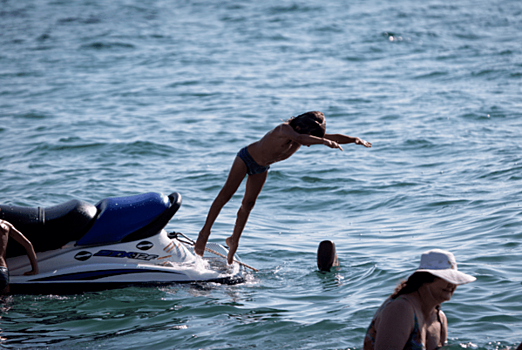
point(200, 264)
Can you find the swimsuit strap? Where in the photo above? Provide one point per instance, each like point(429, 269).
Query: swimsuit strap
point(441, 324)
point(438, 315)
point(415, 340)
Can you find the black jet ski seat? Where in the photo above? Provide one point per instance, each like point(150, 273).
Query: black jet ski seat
point(48, 228)
point(112, 220)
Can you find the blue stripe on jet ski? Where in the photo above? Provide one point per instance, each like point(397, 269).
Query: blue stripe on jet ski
point(94, 275)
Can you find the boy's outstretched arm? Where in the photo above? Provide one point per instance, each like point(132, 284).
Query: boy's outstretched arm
point(344, 139)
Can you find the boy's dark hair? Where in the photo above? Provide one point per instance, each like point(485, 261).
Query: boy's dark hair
point(325, 256)
point(312, 123)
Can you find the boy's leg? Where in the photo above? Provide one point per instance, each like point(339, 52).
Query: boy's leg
point(235, 177)
point(4, 238)
point(4, 273)
point(4, 280)
point(254, 186)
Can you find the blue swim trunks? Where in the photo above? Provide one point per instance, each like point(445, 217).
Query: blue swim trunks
point(4, 277)
point(252, 167)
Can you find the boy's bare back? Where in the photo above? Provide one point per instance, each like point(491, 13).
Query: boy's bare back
point(275, 146)
point(281, 142)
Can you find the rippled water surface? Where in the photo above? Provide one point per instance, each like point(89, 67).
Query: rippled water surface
point(118, 98)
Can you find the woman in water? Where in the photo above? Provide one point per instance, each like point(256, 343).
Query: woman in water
point(411, 317)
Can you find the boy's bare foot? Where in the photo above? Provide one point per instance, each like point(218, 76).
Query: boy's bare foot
point(232, 247)
point(201, 243)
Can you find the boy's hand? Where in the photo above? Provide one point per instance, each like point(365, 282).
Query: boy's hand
point(359, 141)
point(332, 144)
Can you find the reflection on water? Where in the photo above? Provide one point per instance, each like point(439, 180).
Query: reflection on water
point(121, 98)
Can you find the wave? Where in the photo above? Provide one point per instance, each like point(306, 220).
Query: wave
point(107, 46)
point(34, 116)
point(76, 146)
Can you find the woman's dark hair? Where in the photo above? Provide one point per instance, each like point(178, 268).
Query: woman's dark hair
point(312, 123)
point(413, 283)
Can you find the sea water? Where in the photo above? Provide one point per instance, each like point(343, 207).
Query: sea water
point(115, 98)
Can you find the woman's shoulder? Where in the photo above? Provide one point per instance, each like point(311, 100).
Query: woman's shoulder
point(399, 308)
point(395, 321)
point(402, 301)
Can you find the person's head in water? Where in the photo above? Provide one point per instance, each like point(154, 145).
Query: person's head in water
point(326, 256)
point(312, 123)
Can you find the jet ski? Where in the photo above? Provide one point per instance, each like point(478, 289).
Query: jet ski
point(118, 242)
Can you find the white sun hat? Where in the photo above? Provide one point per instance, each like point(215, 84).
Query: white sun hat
point(442, 264)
